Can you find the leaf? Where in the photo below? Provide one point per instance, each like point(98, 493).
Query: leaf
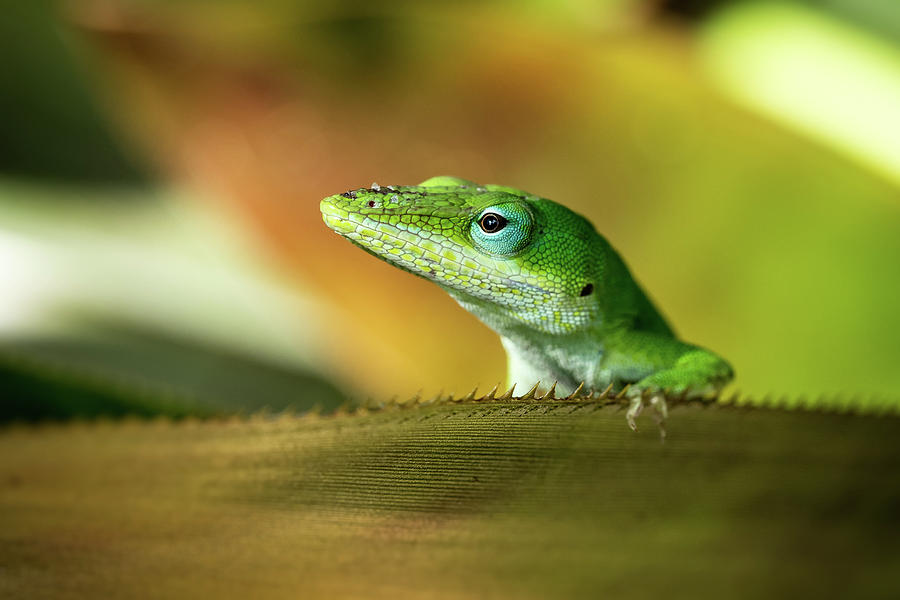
point(498, 499)
point(124, 369)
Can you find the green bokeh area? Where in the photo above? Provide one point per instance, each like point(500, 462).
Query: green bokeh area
point(53, 127)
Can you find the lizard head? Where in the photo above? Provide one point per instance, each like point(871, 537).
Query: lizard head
point(510, 257)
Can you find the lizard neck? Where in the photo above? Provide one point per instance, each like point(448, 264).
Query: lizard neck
point(534, 355)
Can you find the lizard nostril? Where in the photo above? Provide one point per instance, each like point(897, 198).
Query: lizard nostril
point(371, 204)
point(587, 290)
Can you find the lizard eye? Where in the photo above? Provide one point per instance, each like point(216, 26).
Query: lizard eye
point(492, 222)
point(502, 229)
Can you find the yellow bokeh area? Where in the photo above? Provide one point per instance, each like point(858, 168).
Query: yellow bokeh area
point(163, 163)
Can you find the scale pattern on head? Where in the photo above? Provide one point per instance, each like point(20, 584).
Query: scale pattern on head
point(508, 253)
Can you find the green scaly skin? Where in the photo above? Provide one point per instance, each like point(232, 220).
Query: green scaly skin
point(560, 297)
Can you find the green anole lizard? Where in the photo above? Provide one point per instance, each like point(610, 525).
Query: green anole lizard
point(560, 297)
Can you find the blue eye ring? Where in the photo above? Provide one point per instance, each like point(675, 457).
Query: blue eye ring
point(502, 229)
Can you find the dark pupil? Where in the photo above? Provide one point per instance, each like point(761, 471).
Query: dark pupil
point(492, 223)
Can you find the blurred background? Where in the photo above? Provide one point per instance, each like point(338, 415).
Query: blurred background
point(161, 165)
